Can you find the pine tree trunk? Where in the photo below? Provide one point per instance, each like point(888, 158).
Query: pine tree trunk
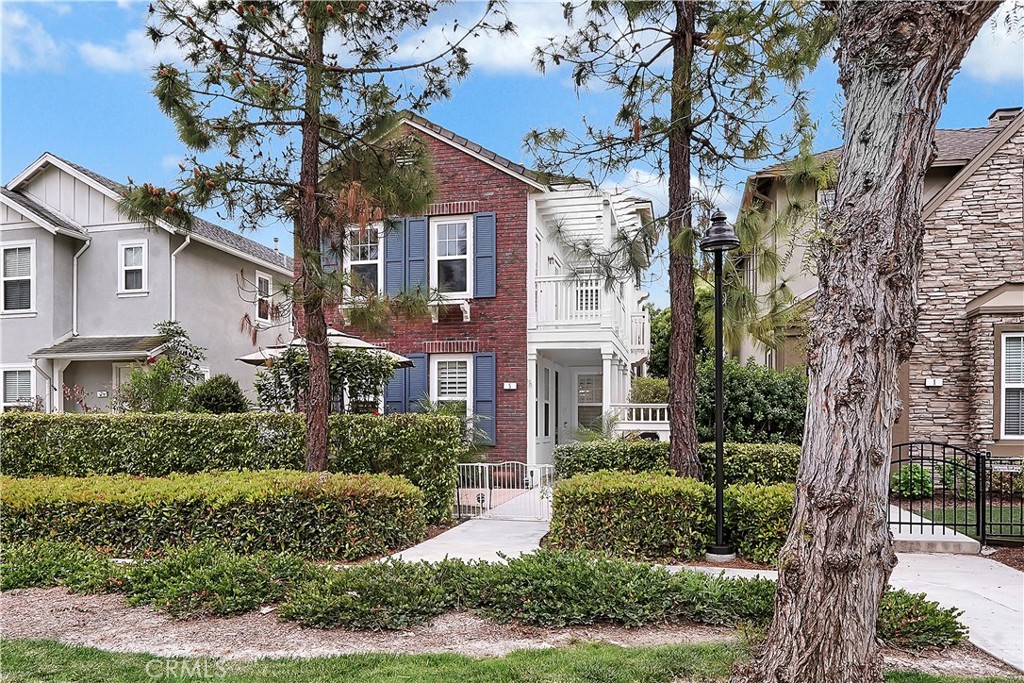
point(308, 230)
point(896, 61)
point(681, 355)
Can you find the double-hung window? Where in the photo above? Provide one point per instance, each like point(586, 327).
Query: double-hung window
point(451, 245)
point(589, 400)
point(1013, 386)
point(17, 389)
point(451, 381)
point(19, 277)
point(132, 267)
point(264, 297)
point(364, 251)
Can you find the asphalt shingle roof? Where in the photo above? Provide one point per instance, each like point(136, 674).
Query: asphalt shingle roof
point(128, 347)
point(38, 209)
point(201, 227)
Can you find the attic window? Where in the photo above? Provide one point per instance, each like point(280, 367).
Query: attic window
point(18, 277)
point(132, 266)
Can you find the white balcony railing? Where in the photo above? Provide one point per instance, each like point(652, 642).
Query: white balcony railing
point(641, 418)
point(640, 333)
point(566, 300)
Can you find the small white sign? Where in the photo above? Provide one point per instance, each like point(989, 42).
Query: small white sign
point(511, 386)
point(1006, 467)
point(933, 381)
point(101, 394)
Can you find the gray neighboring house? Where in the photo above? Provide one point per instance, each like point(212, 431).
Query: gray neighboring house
point(83, 285)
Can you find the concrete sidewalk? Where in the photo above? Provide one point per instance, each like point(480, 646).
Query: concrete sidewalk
point(479, 539)
point(990, 594)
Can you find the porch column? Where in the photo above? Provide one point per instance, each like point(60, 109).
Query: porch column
point(607, 378)
point(531, 407)
point(59, 366)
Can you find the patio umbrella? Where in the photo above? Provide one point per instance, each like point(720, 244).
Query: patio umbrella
point(335, 339)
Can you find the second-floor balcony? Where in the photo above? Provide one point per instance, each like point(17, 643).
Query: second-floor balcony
point(568, 302)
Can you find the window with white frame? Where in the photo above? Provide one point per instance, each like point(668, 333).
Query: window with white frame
point(1013, 386)
point(264, 297)
point(451, 380)
point(451, 245)
point(18, 389)
point(589, 400)
point(19, 277)
point(364, 252)
point(132, 258)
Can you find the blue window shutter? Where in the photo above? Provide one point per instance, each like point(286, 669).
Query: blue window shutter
point(416, 387)
point(485, 243)
point(394, 393)
point(485, 394)
point(415, 253)
point(394, 259)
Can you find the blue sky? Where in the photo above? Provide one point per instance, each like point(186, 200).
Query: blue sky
point(75, 82)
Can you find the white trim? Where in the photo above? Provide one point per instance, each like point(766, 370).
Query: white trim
point(269, 297)
point(46, 225)
point(19, 312)
point(18, 367)
point(432, 254)
point(475, 155)
point(122, 291)
point(1004, 385)
point(432, 378)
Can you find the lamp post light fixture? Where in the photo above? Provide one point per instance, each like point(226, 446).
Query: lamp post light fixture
point(719, 239)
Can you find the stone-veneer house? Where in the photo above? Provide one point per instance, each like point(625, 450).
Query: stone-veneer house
point(964, 383)
point(532, 341)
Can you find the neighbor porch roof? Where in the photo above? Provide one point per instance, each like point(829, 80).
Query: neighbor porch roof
point(103, 348)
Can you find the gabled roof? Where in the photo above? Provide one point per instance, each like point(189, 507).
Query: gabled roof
point(127, 348)
point(535, 178)
point(202, 230)
point(40, 214)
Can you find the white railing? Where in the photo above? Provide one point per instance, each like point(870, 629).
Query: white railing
point(505, 490)
point(641, 418)
point(565, 299)
point(640, 333)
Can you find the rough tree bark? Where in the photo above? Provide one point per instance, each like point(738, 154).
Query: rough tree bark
point(895, 60)
point(681, 359)
point(314, 327)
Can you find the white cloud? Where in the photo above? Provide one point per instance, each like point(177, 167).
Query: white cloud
point(997, 55)
point(26, 44)
point(535, 23)
point(130, 53)
point(171, 161)
point(644, 183)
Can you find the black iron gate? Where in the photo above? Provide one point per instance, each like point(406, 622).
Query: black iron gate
point(944, 489)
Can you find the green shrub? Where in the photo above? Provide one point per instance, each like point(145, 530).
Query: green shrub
point(206, 580)
point(382, 596)
point(643, 516)
point(219, 394)
point(762, 405)
point(543, 588)
point(912, 620)
point(42, 564)
point(744, 463)
point(912, 482)
point(957, 478)
point(423, 448)
point(649, 390)
point(757, 519)
point(316, 515)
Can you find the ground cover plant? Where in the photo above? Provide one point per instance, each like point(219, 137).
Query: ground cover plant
point(316, 515)
point(541, 589)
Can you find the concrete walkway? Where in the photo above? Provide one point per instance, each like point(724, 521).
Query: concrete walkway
point(479, 539)
point(913, 534)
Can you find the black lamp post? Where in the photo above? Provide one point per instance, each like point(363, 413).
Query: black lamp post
point(719, 239)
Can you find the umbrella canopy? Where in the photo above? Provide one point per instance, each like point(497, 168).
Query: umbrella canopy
point(335, 339)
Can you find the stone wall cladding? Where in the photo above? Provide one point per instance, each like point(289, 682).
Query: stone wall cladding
point(973, 243)
point(497, 324)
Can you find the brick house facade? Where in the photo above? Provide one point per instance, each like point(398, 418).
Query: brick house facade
point(964, 383)
point(477, 345)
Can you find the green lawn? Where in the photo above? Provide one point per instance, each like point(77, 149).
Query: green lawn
point(37, 661)
point(994, 516)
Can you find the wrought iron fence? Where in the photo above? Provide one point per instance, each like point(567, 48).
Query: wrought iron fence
point(946, 489)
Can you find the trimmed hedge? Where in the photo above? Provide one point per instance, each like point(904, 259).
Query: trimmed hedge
point(318, 516)
point(423, 448)
point(543, 588)
point(663, 518)
point(745, 463)
point(643, 516)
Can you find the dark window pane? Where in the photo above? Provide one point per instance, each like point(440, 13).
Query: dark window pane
point(364, 276)
point(451, 275)
point(589, 416)
point(1013, 412)
point(263, 309)
point(17, 295)
point(132, 280)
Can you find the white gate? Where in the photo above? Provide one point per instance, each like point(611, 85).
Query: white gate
point(506, 490)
